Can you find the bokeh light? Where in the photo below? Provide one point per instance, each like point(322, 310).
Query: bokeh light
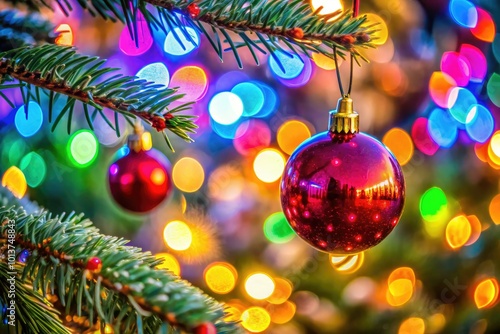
point(347, 264)
point(494, 209)
point(192, 81)
point(439, 86)
point(177, 235)
point(220, 277)
point(271, 101)
point(282, 291)
point(325, 62)
point(486, 293)
point(83, 148)
point(251, 136)
point(464, 13)
point(479, 123)
point(28, 123)
point(146, 141)
point(268, 165)
point(442, 128)
point(65, 36)
point(252, 97)
point(292, 65)
point(476, 229)
point(457, 67)
point(493, 89)
point(178, 44)
point(277, 229)
point(14, 180)
point(400, 144)
point(433, 205)
point(420, 135)
point(329, 6)
point(155, 72)
point(402, 273)
point(169, 263)
point(381, 30)
point(255, 319)
point(144, 39)
point(485, 27)
point(477, 62)
point(458, 231)
point(282, 313)
point(412, 325)
point(34, 169)
point(230, 131)
point(259, 286)
point(225, 108)
point(291, 134)
point(399, 291)
point(188, 174)
point(460, 101)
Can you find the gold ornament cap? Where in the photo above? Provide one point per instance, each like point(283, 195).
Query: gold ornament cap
point(135, 139)
point(344, 120)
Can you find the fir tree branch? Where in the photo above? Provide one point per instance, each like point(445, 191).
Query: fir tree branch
point(128, 292)
point(60, 70)
point(17, 29)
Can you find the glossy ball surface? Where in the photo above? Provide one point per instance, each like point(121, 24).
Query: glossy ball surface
point(94, 264)
point(205, 328)
point(344, 194)
point(140, 181)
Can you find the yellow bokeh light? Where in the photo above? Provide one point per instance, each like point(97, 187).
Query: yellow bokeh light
point(291, 134)
point(188, 175)
point(283, 313)
point(382, 32)
point(486, 293)
point(65, 36)
point(169, 263)
point(347, 264)
point(325, 62)
point(14, 180)
point(458, 231)
point(255, 319)
point(282, 291)
point(220, 277)
point(329, 7)
point(495, 144)
point(158, 176)
point(495, 209)
point(268, 165)
point(399, 292)
point(234, 310)
point(412, 326)
point(108, 329)
point(177, 235)
point(259, 286)
point(146, 141)
point(402, 272)
point(400, 144)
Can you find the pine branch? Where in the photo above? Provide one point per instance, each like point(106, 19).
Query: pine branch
point(32, 310)
point(60, 70)
point(17, 29)
point(289, 26)
point(128, 292)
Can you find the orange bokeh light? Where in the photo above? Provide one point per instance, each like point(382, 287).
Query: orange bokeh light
point(400, 144)
point(494, 209)
point(402, 272)
point(486, 293)
point(439, 86)
point(476, 229)
point(65, 36)
point(485, 28)
point(412, 326)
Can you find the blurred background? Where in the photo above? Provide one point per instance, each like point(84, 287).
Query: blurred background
point(431, 93)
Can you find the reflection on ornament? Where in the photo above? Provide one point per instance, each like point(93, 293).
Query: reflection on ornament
point(342, 193)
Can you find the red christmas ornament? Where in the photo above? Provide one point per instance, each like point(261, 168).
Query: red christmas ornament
point(140, 180)
point(205, 328)
point(193, 10)
point(342, 191)
point(94, 264)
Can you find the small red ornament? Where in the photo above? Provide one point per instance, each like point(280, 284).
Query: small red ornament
point(297, 33)
point(193, 10)
point(342, 193)
point(94, 264)
point(205, 328)
point(140, 180)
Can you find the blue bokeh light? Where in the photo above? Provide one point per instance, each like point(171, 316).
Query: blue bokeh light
point(480, 123)
point(229, 131)
point(225, 108)
point(292, 64)
point(177, 44)
point(252, 97)
point(271, 100)
point(29, 124)
point(442, 128)
point(464, 13)
point(155, 72)
point(460, 100)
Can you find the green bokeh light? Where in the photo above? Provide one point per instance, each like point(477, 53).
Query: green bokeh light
point(16, 151)
point(277, 229)
point(493, 89)
point(433, 204)
point(83, 148)
point(34, 169)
